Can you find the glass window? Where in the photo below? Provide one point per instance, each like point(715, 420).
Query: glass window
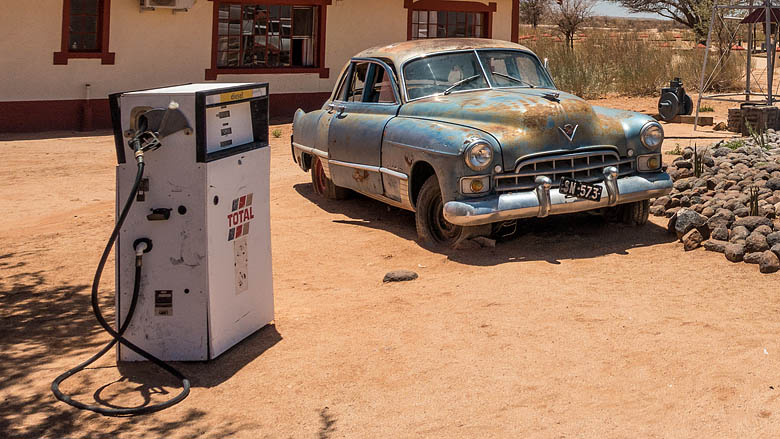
point(84, 26)
point(381, 90)
point(509, 68)
point(358, 83)
point(259, 35)
point(451, 72)
point(447, 24)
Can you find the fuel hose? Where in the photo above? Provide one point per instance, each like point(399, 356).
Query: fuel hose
point(141, 246)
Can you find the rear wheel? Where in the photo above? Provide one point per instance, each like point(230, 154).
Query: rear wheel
point(323, 185)
point(432, 227)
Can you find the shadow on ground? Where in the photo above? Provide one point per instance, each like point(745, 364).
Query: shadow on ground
point(552, 239)
point(41, 321)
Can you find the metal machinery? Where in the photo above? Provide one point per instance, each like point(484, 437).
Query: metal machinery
point(674, 101)
point(204, 205)
point(763, 15)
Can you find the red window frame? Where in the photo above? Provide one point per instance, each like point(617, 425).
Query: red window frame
point(102, 53)
point(324, 72)
point(451, 6)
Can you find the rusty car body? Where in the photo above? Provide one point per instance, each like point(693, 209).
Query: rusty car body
point(470, 132)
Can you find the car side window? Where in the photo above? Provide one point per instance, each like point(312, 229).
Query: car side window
point(358, 83)
point(381, 89)
point(344, 83)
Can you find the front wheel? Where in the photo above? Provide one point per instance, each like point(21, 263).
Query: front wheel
point(432, 227)
point(635, 214)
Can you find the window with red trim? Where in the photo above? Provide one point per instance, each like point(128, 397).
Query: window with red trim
point(85, 31)
point(272, 36)
point(448, 24)
point(449, 19)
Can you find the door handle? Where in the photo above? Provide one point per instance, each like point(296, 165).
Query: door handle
point(340, 108)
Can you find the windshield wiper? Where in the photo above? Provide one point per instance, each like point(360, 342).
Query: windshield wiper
point(461, 82)
point(512, 78)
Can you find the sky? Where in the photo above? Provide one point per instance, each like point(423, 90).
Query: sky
point(614, 10)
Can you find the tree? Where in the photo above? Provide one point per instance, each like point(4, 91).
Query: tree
point(694, 14)
point(570, 14)
point(531, 11)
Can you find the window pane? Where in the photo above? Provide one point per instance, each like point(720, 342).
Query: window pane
point(84, 7)
point(235, 12)
point(415, 16)
point(258, 35)
point(358, 83)
point(416, 31)
point(83, 42)
point(303, 22)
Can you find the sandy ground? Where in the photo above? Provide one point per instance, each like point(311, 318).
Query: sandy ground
point(577, 328)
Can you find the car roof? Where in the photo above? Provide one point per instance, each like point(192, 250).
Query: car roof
point(401, 52)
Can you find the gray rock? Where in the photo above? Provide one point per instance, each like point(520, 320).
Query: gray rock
point(751, 222)
point(734, 252)
point(682, 164)
point(400, 276)
point(776, 249)
point(720, 233)
point(715, 245)
point(773, 239)
point(688, 219)
point(687, 152)
point(657, 210)
point(663, 201)
point(739, 233)
point(692, 240)
point(708, 212)
point(773, 183)
point(672, 211)
point(769, 262)
point(756, 242)
point(722, 218)
point(752, 258)
point(683, 184)
point(742, 211)
point(763, 229)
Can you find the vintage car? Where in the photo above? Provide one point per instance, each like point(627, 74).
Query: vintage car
point(471, 132)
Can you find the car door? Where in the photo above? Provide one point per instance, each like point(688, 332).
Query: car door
point(360, 115)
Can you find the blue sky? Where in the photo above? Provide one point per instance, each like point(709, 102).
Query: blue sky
point(614, 10)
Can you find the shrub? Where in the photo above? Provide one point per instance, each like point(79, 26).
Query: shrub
point(277, 133)
point(606, 63)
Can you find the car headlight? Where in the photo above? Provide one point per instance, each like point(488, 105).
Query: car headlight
point(652, 135)
point(479, 154)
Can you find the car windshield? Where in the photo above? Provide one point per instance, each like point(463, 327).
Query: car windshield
point(510, 68)
point(461, 71)
point(446, 73)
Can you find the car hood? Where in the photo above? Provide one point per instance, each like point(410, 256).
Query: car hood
point(524, 121)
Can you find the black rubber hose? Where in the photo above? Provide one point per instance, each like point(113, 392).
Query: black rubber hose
point(118, 336)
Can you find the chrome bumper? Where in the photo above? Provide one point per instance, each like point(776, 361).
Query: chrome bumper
point(542, 201)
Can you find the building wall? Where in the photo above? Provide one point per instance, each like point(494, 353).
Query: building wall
point(156, 48)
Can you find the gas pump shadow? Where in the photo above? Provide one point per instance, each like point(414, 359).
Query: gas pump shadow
point(146, 379)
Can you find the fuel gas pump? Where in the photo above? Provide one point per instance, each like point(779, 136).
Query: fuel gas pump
point(193, 249)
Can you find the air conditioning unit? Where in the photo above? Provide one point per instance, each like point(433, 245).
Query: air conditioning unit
point(167, 4)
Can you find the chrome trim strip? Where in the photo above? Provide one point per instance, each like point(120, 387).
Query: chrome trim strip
point(509, 206)
point(543, 195)
point(610, 182)
point(395, 174)
point(311, 150)
point(403, 192)
point(354, 165)
point(427, 150)
point(559, 152)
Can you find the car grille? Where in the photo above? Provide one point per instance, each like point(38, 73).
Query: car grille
point(584, 166)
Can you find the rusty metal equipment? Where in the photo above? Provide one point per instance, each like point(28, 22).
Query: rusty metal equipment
point(674, 101)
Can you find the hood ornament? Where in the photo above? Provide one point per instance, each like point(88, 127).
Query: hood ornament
point(569, 131)
point(552, 96)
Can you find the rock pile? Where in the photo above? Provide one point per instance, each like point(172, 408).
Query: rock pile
point(732, 205)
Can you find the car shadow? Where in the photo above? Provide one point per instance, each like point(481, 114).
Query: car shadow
point(552, 239)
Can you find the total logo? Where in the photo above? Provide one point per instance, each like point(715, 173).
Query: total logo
point(240, 217)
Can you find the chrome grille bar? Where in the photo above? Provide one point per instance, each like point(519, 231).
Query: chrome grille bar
point(585, 166)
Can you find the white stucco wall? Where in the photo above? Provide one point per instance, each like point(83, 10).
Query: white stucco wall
point(155, 48)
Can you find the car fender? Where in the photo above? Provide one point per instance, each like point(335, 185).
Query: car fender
point(409, 141)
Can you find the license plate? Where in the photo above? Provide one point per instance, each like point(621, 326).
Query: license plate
point(579, 189)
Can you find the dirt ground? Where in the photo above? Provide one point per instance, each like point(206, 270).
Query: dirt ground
point(577, 328)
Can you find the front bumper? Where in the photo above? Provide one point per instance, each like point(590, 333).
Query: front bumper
point(542, 201)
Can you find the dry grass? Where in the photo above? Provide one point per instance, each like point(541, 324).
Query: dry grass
point(603, 64)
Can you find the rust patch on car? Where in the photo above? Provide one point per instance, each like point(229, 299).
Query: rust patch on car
point(360, 175)
point(408, 160)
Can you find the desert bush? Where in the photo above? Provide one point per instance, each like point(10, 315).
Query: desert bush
point(606, 63)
